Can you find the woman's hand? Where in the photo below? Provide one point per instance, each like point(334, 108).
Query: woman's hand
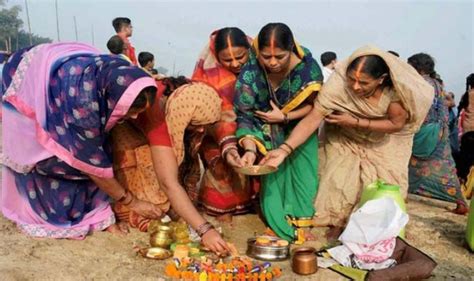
point(273, 116)
point(233, 158)
point(342, 119)
point(146, 209)
point(214, 242)
point(274, 157)
point(249, 157)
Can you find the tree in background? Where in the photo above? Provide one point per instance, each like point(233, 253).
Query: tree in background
point(12, 36)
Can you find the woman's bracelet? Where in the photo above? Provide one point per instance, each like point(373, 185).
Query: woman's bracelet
point(126, 199)
point(289, 146)
point(227, 150)
point(286, 119)
point(284, 149)
point(129, 201)
point(204, 228)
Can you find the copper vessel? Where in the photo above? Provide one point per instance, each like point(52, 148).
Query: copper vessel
point(304, 261)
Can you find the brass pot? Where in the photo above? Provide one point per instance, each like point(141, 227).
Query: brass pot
point(304, 261)
point(161, 239)
point(165, 229)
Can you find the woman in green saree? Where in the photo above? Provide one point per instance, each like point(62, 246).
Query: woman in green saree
point(274, 90)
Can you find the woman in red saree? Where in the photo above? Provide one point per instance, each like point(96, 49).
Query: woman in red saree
point(223, 192)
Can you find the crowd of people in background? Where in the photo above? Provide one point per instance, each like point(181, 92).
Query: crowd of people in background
point(110, 126)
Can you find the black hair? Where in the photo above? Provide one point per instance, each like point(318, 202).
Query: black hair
point(327, 58)
point(144, 58)
point(394, 53)
point(172, 83)
point(282, 35)
point(115, 45)
point(437, 77)
point(147, 95)
point(120, 22)
point(423, 63)
point(237, 38)
point(372, 65)
point(191, 156)
point(154, 71)
point(464, 102)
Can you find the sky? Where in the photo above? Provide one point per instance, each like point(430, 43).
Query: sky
point(176, 31)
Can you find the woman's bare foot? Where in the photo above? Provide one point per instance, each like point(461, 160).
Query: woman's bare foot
point(117, 229)
point(461, 209)
point(225, 218)
point(333, 233)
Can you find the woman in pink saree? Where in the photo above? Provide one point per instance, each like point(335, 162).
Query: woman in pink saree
point(59, 103)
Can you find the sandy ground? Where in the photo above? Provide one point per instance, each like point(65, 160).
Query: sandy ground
point(103, 256)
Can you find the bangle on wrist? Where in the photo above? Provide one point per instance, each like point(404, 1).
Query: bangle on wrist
point(289, 147)
point(224, 154)
point(204, 228)
point(288, 152)
point(129, 201)
point(286, 119)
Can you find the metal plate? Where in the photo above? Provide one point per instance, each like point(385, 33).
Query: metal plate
point(256, 170)
point(156, 253)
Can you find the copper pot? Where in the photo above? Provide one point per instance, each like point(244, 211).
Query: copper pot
point(304, 261)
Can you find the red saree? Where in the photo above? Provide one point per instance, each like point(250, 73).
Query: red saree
point(223, 191)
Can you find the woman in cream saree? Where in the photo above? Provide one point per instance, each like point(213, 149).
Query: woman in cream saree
point(370, 122)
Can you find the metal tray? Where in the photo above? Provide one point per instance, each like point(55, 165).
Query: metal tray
point(267, 253)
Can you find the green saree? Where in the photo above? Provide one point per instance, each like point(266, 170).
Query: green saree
point(287, 196)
